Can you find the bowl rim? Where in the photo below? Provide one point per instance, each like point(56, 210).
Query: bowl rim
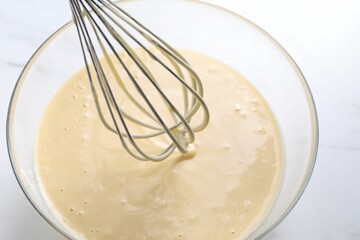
point(309, 96)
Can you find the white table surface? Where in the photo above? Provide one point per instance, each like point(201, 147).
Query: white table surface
point(323, 36)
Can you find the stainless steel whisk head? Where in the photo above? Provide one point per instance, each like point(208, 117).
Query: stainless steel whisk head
point(104, 29)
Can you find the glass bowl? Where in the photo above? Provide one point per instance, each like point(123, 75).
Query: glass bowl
point(192, 25)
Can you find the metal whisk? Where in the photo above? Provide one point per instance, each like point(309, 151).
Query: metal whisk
point(104, 30)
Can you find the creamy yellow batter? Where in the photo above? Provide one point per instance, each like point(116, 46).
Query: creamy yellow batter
point(220, 193)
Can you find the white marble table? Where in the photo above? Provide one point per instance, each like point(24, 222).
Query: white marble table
point(323, 36)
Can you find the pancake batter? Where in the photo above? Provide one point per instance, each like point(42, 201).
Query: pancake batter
point(221, 192)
